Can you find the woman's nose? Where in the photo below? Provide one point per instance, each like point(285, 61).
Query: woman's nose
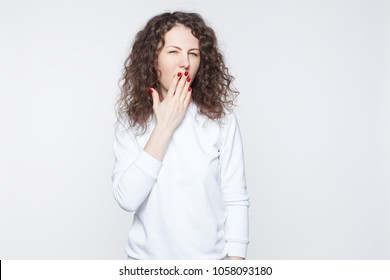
point(184, 61)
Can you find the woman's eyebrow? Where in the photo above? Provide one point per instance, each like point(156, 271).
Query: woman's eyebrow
point(176, 47)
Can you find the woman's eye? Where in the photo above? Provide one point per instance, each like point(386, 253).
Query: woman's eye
point(194, 54)
point(172, 52)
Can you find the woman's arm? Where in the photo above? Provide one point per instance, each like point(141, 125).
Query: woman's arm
point(136, 170)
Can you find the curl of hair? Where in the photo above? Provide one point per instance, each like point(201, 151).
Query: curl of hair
point(212, 89)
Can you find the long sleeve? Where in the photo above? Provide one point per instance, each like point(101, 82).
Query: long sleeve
point(135, 172)
point(233, 185)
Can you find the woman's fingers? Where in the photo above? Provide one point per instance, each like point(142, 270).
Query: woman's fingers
point(180, 89)
point(173, 87)
point(186, 88)
point(187, 98)
point(179, 84)
point(182, 86)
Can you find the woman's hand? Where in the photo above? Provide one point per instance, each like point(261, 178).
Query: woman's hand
point(169, 114)
point(171, 111)
point(235, 258)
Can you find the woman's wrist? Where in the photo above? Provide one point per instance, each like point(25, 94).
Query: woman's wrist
point(158, 142)
point(162, 132)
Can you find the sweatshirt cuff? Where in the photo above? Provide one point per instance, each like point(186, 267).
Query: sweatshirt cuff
point(148, 164)
point(237, 249)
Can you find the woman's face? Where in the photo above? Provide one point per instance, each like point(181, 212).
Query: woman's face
point(180, 54)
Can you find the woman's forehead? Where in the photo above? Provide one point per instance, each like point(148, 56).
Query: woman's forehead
point(181, 35)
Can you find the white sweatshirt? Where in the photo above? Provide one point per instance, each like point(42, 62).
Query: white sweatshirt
point(194, 204)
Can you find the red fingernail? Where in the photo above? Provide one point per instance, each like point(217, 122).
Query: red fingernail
point(150, 90)
point(189, 88)
point(179, 74)
point(186, 73)
point(188, 79)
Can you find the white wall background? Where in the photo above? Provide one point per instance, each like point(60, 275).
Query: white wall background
point(314, 112)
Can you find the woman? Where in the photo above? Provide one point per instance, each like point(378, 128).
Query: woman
point(178, 153)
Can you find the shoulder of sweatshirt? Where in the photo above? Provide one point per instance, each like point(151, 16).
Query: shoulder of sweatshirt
point(122, 125)
point(223, 122)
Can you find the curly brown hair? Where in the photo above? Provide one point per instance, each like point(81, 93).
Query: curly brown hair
point(212, 89)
